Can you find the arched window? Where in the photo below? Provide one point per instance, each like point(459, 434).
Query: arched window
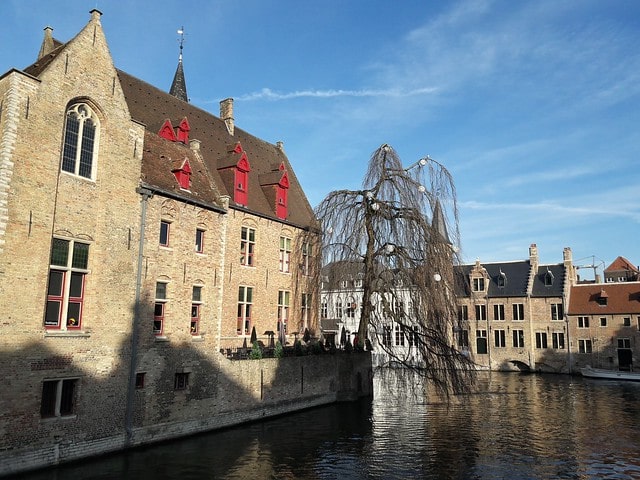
point(80, 140)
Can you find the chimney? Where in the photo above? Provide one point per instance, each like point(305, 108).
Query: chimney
point(226, 114)
point(280, 145)
point(47, 44)
point(533, 256)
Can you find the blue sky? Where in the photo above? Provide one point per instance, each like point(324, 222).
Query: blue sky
point(533, 106)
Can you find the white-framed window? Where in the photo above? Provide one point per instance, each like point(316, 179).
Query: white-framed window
point(159, 308)
point(541, 339)
point(557, 312)
point(584, 345)
point(338, 308)
point(462, 336)
point(518, 338)
point(481, 342)
point(478, 284)
point(583, 322)
point(283, 310)
point(68, 271)
point(247, 246)
point(500, 338)
point(557, 339)
point(351, 307)
point(498, 312)
point(306, 309)
point(481, 311)
point(245, 307)
point(399, 334)
point(518, 311)
point(307, 255)
point(324, 309)
point(199, 246)
point(58, 397)
point(386, 336)
point(80, 147)
point(285, 254)
point(196, 309)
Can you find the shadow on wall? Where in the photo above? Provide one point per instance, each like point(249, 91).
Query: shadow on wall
point(183, 387)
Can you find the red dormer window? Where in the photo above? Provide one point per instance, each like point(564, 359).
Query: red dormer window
point(282, 190)
point(167, 132)
point(183, 175)
point(179, 134)
point(241, 175)
point(183, 131)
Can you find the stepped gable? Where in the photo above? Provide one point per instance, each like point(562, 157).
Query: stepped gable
point(621, 298)
point(152, 106)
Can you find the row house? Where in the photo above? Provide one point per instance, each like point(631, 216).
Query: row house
point(512, 314)
point(139, 236)
point(604, 322)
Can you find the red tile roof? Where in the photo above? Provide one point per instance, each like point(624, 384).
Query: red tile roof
point(621, 298)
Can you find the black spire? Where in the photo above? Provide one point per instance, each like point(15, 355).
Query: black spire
point(179, 86)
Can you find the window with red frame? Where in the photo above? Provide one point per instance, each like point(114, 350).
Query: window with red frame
point(65, 293)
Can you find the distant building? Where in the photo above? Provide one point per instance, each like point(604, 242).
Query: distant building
point(621, 270)
point(604, 325)
point(513, 313)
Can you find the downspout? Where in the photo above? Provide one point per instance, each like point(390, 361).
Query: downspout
point(146, 194)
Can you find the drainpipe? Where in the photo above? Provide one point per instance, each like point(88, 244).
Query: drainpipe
point(146, 194)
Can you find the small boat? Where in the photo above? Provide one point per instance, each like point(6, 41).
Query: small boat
point(609, 374)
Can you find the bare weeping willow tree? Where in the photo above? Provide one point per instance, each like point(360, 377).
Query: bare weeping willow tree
point(395, 231)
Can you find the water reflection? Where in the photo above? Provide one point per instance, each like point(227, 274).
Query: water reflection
point(513, 426)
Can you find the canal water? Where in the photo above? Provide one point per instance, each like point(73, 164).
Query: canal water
point(514, 426)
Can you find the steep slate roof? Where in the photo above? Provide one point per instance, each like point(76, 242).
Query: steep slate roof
point(517, 279)
point(556, 288)
point(152, 106)
point(621, 298)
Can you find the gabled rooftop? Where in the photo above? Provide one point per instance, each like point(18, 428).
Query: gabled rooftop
point(605, 299)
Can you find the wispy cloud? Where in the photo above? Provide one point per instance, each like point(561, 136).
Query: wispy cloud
point(268, 94)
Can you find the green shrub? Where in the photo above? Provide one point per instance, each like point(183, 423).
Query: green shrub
point(297, 348)
point(278, 352)
point(256, 352)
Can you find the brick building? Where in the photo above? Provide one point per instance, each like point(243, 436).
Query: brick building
point(512, 314)
point(139, 236)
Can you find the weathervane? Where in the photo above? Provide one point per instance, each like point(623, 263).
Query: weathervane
point(181, 39)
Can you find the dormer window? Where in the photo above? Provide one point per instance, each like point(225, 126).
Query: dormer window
point(478, 284)
point(548, 278)
point(183, 131)
point(235, 168)
point(502, 280)
point(603, 298)
point(178, 134)
point(183, 175)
